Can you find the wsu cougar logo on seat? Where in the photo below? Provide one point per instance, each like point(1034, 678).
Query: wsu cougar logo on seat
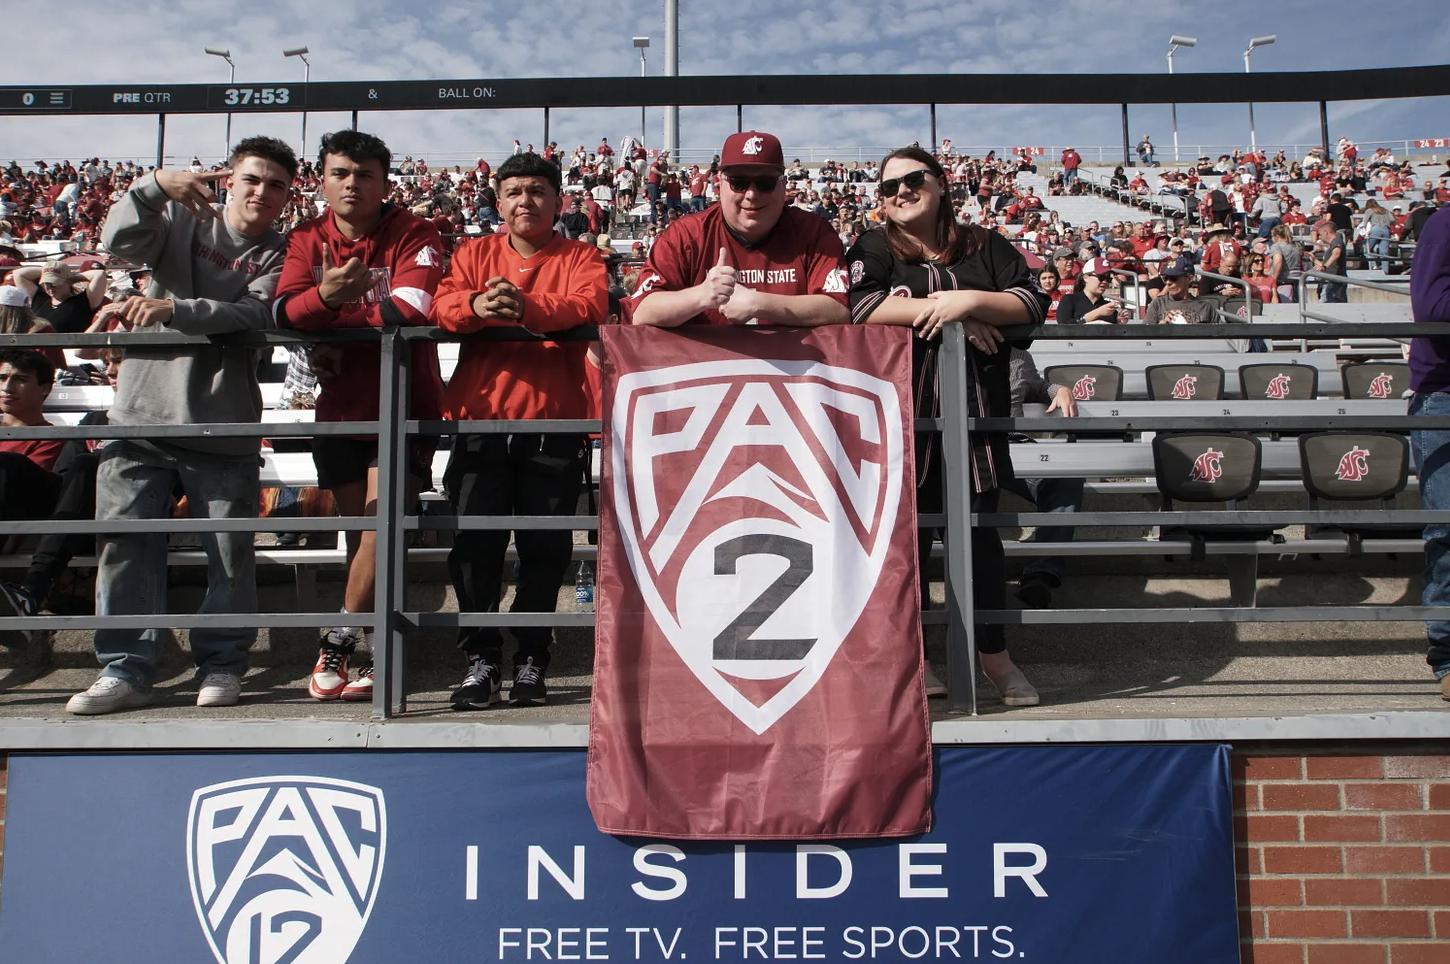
point(1186, 387)
point(285, 869)
point(1353, 465)
point(1381, 386)
point(1208, 467)
point(756, 501)
point(1278, 387)
point(1085, 388)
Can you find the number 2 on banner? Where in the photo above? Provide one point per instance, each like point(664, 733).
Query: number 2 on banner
point(735, 640)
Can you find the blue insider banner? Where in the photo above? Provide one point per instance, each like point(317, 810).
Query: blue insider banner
point(1062, 854)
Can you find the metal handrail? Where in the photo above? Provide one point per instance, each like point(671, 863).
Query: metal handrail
point(393, 521)
point(1230, 279)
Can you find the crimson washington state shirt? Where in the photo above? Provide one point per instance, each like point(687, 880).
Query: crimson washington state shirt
point(802, 255)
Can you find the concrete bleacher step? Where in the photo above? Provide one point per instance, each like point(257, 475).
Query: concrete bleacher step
point(1083, 671)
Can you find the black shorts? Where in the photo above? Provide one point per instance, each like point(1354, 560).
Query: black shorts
point(342, 461)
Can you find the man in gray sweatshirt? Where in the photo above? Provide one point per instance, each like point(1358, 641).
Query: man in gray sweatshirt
point(215, 271)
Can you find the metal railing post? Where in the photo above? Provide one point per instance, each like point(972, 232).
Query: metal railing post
point(957, 535)
point(388, 695)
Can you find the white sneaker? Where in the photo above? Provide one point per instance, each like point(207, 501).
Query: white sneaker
point(934, 686)
point(107, 695)
point(219, 689)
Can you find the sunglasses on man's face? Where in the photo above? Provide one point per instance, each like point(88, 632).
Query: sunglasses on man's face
point(764, 183)
point(913, 182)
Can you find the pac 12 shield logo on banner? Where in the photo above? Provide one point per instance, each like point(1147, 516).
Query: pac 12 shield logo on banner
point(758, 624)
point(285, 868)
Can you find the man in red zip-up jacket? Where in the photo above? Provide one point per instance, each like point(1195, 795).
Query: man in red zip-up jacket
point(535, 279)
point(362, 263)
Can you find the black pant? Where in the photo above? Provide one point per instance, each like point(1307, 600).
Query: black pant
point(76, 500)
point(26, 490)
point(502, 475)
point(989, 560)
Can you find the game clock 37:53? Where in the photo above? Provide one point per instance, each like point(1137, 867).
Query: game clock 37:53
point(256, 96)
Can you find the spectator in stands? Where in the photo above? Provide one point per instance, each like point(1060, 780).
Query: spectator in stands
point(1261, 283)
point(1177, 305)
point(1284, 264)
point(990, 287)
point(1419, 216)
point(1329, 258)
point(574, 222)
point(363, 264)
point(1066, 266)
point(61, 296)
point(695, 269)
point(1050, 281)
point(28, 481)
point(1088, 303)
point(539, 282)
point(1377, 239)
point(1071, 161)
point(1043, 574)
point(1146, 154)
point(1430, 398)
point(76, 499)
point(214, 272)
point(1267, 211)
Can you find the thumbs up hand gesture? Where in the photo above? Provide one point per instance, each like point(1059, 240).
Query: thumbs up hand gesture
point(719, 283)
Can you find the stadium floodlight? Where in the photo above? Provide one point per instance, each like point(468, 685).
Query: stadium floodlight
point(231, 81)
point(642, 44)
point(1254, 42)
point(1174, 42)
point(301, 54)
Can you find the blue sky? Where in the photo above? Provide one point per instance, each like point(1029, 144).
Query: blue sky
point(374, 39)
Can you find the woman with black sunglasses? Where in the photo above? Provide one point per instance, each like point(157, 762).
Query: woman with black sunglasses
point(924, 269)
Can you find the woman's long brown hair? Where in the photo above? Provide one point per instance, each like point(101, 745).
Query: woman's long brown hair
point(954, 240)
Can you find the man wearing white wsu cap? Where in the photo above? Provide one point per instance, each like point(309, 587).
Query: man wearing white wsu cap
point(747, 260)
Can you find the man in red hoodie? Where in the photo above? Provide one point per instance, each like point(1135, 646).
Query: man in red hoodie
point(534, 279)
point(361, 264)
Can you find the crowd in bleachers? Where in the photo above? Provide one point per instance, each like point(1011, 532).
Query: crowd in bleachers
point(1244, 230)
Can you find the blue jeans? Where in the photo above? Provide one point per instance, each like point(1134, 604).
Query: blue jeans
point(136, 482)
point(1430, 449)
point(1049, 495)
point(1377, 247)
point(1333, 293)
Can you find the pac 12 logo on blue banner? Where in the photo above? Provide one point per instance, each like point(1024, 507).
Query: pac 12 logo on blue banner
point(1048, 854)
point(285, 868)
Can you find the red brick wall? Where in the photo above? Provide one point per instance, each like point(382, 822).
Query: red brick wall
point(1343, 854)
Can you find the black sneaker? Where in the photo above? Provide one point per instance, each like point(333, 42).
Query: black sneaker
point(1035, 591)
point(528, 688)
point(15, 601)
point(479, 688)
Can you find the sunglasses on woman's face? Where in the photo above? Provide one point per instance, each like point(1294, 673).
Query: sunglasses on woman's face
point(764, 183)
point(913, 182)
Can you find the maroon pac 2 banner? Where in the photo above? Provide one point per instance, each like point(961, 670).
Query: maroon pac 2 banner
point(757, 670)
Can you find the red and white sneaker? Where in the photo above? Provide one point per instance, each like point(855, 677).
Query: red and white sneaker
point(329, 676)
point(360, 690)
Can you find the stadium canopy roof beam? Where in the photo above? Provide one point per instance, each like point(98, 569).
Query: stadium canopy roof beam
point(1308, 87)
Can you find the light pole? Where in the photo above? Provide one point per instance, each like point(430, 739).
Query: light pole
point(1255, 42)
point(642, 43)
point(301, 54)
point(231, 82)
point(1174, 42)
